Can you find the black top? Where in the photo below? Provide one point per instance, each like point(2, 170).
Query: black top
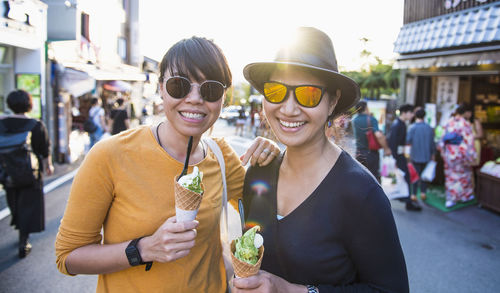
point(40, 142)
point(119, 116)
point(342, 238)
point(396, 136)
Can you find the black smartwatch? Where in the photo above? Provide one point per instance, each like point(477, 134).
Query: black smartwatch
point(133, 255)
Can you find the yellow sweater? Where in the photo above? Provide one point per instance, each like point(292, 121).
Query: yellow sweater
point(125, 187)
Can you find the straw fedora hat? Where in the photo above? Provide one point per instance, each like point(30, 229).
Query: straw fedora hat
point(313, 51)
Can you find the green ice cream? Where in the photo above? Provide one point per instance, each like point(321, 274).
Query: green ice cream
point(245, 247)
point(192, 181)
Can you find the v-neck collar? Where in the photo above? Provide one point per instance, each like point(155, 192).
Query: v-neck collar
point(309, 198)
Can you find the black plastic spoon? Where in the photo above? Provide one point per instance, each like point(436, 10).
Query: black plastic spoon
point(186, 163)
point(241, 210)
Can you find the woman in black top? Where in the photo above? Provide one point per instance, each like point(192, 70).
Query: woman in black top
point(26, 203)
point(327, 224)
point(119, 118)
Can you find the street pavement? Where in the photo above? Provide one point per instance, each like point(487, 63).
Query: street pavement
point(457, 251)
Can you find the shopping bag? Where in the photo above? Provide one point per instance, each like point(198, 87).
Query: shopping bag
point(429, 172)
point(413, 173)
point(395, 185)
point(373, 144)
point(388, 166)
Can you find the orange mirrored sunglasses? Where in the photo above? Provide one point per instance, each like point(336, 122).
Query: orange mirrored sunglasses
point(306, 95)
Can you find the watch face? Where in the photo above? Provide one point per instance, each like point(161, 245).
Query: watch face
point(133, 256)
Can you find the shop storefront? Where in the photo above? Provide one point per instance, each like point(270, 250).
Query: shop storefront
point(449, 54)
point(74, 86)
point(22, 53)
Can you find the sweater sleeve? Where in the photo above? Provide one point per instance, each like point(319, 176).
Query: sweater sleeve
point(373, 244)
point(89, 201)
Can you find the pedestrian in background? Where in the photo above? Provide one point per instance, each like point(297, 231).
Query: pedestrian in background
point(477, 130)
point(26, 203)
point(96, 112)
point(326, 222)
point(459, 155)
point(125, 187)
point(119, 117)
point(240, 122)
point(369, 158)
point(420, 137)
point(396, 139)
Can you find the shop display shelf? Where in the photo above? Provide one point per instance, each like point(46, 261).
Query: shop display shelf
point(488, 187)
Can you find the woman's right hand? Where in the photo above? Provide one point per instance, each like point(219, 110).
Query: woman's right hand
point(171, 241)
point(264, 282)
point(261, 152)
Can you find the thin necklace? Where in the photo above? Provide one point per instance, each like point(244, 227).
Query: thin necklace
point(159, 140)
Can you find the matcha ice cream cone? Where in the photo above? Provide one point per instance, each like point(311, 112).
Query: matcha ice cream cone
point(188, 195)
point(245, 255)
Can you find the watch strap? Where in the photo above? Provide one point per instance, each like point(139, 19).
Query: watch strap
point(133, 243)
point(312, 289)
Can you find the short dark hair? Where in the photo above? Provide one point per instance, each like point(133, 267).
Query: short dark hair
point(196, 58)
point(420, 114)
point(462, 108)
point(361, 106)
point(94, 101)
point(20, 101)
point(406, 108)
point(120, 101)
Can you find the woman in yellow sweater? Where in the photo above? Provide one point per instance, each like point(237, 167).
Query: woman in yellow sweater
point(125, 188)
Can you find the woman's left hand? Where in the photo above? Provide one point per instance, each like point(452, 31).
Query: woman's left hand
point(266, 283)
point(261, 152)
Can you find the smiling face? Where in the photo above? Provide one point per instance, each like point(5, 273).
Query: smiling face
point(197, 59)
point(191, 115)
point(295, 125)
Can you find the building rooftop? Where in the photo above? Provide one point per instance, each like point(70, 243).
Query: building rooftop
point(476, 26)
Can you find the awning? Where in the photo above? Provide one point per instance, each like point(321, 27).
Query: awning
point(475, 26)
point(117, 86)
point(76, 82)
point(121, 72)
point(459, 60)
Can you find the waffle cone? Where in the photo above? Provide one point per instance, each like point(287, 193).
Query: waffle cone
point(186, 199)
point(243, 269)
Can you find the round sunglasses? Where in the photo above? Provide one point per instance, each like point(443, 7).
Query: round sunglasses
point(306, 95)
point(210, 90)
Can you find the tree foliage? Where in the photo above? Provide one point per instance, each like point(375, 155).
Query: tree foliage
point(375, 78)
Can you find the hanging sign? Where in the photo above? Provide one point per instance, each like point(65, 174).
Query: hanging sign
point(447, 96)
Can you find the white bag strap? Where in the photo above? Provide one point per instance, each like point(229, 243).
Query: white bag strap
point(220, 158)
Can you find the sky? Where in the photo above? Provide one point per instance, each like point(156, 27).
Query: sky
point(251, 30)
